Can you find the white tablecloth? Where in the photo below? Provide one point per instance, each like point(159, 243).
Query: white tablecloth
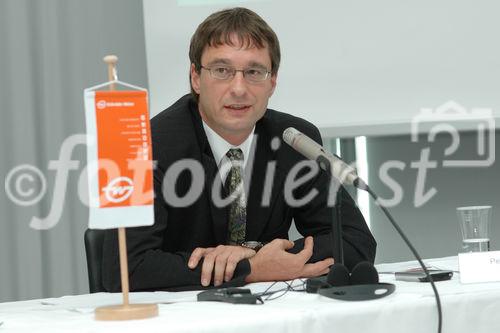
point(466, 308)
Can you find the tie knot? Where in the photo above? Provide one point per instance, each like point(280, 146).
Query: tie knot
point(235, 154)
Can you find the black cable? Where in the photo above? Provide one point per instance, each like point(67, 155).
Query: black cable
point(269, 297)
point(267, 289)
point(288, 288)
point(415, 253)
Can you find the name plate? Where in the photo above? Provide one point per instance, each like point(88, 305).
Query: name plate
point(479, 266)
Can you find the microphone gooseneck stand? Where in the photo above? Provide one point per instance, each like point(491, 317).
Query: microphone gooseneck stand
point(326, 166)
point(337, 248)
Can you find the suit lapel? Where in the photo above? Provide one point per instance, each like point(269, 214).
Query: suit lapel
point(218, 214)
point(258, 210)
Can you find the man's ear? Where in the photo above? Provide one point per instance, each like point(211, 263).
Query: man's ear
point(195, 79)
point(274, 77)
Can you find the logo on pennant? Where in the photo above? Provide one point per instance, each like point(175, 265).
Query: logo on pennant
point(119, 189)
point(101, 104)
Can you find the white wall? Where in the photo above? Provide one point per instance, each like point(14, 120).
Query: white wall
point(351, 67)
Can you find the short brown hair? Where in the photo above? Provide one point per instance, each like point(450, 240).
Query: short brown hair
point(249, 28)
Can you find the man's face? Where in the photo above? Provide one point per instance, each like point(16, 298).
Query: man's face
point(232, 107)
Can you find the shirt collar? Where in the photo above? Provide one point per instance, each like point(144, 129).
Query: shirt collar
point(220, 146)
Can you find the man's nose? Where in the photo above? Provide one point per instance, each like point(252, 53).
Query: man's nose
point(238, 84)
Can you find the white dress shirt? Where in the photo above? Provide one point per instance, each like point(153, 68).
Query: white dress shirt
point(220, 147)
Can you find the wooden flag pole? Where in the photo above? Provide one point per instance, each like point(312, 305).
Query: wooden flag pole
point(111, 61)
point(126, 311)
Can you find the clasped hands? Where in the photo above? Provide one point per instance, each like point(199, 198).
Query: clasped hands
point(271, 263)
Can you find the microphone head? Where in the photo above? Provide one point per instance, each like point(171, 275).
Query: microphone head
point(289, 135)
point(338, 276)
point(364, 273)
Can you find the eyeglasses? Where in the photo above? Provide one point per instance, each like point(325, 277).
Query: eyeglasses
point(252, 74)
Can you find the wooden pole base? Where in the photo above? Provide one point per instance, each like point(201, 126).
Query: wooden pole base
point(126, 312)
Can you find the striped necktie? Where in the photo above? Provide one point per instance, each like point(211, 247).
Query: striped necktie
point(237, 216)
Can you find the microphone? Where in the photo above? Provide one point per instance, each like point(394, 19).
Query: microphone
point(364, 284)
point(327, 161)
point(333, 166)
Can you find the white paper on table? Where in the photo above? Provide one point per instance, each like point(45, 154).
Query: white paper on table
point(87, 303)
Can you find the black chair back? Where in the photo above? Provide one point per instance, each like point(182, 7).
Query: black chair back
point(94, 240)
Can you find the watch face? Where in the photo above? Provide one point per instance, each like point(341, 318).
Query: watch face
point(254, 245)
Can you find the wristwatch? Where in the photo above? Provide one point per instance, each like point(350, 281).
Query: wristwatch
point(253, 245)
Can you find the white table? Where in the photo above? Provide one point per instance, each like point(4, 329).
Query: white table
point(412, 308)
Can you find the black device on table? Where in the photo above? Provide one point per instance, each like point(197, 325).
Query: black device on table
point(229, 295)
point(420, 276)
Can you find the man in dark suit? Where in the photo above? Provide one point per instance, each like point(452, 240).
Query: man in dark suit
point(226, 186)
